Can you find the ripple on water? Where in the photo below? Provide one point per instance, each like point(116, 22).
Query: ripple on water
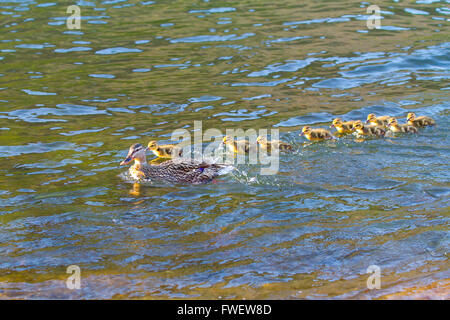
point(117, 50)
point(44, 5)
point(104, 76)
point(214, 10)
point(416, 11)
point(34, 114)
point(262, 84)
point(207, 98)
point(373, 67)
point(74, 49)
point(142, 70)
point(34, 46)
point(212, 38)
point(38, 147)
point(243, 114)
point(38, 93)
point(289, 66)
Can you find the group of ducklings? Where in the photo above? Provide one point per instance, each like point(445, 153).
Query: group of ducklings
point(239, 146)
point(374, 126)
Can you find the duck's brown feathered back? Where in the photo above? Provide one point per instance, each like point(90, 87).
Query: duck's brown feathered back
point(193, 172)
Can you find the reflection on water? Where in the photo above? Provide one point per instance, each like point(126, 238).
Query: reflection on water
point(73, 101)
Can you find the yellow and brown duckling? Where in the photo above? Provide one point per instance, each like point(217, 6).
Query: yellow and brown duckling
point(273, 144)
point(239, 146)
point(368, 130)
point(343, 127)
point(316, 134)
point(422, 121)
point(378, 121)
point(188, 171)
point(404, 128)
point(164, 151)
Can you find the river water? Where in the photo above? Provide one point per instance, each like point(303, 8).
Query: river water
point(73, 100)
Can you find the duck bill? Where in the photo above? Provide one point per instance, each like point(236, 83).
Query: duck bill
point(302, 134)
point(126, 161)
point(332, 126)
point(367, 121)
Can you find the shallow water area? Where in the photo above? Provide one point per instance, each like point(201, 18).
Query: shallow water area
point(73, 101)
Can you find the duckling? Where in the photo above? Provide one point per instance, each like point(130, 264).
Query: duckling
point(276, 144)
point(422, 121)
point(370, 130)
point(164, 151)
point(343, 127)
point(395, 127)
point(240, 146)
point(378, 121)
point(316, 134)
point(189, 171)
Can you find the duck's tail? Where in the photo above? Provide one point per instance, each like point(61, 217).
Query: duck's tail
point(209, 171)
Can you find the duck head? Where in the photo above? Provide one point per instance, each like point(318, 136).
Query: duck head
point(371, 117)
point(411, 116)
point(305, 130)
point(336, 123)
point(261, 139)
point(152, 145)
point(136, 152)
point(358, 125)
point(392, 122)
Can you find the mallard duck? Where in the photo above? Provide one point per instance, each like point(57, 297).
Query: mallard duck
point(276, 144)
point(240, 146)
point(378, 121)
point(370, 130)
point(395, 127)
point(422, 121)
point(164, 151)
point(343, 127)
point(316, 134)
point(189, 171)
